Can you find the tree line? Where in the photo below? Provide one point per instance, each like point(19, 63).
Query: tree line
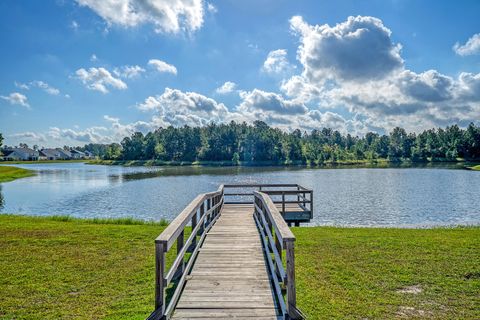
point(258, 142)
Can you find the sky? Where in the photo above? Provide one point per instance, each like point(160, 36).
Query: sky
point(86, 71)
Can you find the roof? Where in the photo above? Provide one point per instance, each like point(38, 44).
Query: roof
point(64, 152)
point(77, 151)
point(21, 151)
point(51, 153)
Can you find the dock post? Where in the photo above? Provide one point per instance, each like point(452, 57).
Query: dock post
point(291, 292)
point(159, 280)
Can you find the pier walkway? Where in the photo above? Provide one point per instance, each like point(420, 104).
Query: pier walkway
point(238, 260)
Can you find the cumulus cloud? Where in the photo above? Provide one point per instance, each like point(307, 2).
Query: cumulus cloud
point(277, 63)
point(22, 86)
point(29, 136)
point(17, 98)
point(99, 79)
point(45, 87)
point(355, 65)
point(269, 101)
point(430, 86)
point(172, 16)
point(128, 72)
point(359, 48)
point(162, 66)
point(38, 84)
point(472, 46)
point(175, 107)
point(227, 87)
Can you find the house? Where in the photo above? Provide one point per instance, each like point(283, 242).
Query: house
point(64, 154)
point(89, 155)
point(18, 154)
point(52, 154)
point(76, 154)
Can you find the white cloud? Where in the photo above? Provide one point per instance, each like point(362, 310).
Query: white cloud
point(162, 66)
point(93, 58)
point(99, 79)
point(211, 8)
point(359, 48)
point(356, 66)
point(22, 86)
point(128, 72)
point(269, 102)
point(471, 47)
point(277, 63)
point(227, 87)
point(29, 136)
point(45, 87)
point(74, 25)
point(16, 98)
point(172, 16)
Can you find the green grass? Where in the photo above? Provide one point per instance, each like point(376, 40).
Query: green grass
point(43, 161)
point(62, 267)
point(477, 168)
point(8, 173)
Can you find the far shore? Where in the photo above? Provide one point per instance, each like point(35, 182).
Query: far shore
point(374, 163)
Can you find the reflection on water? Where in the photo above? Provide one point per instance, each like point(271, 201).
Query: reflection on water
point(392, 196)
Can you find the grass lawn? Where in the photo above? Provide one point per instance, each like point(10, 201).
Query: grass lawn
point(8, 173)
point(67, 268)
point(43, 161)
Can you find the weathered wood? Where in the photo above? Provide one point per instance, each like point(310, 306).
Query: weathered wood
point(236, 268)
point(159, 280)
point(291, 291)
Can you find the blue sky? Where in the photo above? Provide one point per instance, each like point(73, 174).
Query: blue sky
point(75, 72)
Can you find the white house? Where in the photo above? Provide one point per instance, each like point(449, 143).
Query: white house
point(17, 154)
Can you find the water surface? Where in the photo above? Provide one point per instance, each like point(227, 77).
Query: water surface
point(404, 197)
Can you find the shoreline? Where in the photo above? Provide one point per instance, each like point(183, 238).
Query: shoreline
point(11, 173)
point(380, 163)
point(164, 222)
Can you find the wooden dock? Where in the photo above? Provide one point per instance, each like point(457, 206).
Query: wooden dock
point(235, 268)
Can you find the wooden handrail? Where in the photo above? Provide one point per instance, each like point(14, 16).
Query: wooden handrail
point(269, 219)
point(201, 213)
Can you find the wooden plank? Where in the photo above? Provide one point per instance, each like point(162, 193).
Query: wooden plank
point(221, 313)
point(230, 277)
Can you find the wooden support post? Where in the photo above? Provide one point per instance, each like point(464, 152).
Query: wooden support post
point(159, 280)
point(180, 244)
point(202, 213)
point(291, 293)
point(311, 205)
point(195, 218)
point(283, 204)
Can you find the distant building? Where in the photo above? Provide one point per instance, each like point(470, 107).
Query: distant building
point(76, 154)
point(64, 154)
point(52, 154)
point(89, 155)
point(20, 154)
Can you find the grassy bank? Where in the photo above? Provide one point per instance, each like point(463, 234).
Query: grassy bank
point(476, 168)
point(42, 161)
point(67, 268)
point(8, 173)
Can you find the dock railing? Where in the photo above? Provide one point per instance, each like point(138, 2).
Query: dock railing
point(278, 238)
point(200, 214)
point(282, 195)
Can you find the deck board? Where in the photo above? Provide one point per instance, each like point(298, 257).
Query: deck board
point(230, 277)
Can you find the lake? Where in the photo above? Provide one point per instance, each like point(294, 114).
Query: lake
point(402, 197)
